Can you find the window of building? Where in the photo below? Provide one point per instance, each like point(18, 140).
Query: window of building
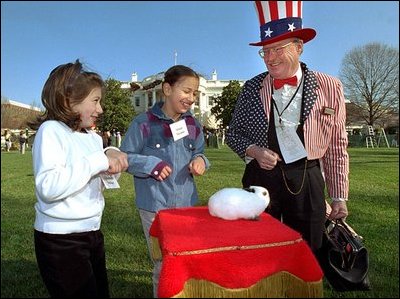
point(137, 101)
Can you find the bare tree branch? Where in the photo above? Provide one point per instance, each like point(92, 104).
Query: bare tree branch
point(370, 77)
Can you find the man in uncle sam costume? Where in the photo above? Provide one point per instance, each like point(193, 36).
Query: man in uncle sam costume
point(289, 127)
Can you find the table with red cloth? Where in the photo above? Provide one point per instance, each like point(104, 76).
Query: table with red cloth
point(205, 256)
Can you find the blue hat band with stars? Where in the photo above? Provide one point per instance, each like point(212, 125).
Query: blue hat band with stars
point(276, 28)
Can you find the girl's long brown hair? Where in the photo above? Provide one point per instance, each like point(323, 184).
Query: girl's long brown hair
point(67, 85)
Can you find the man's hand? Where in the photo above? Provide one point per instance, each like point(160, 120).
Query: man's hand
point(266, 158)
point(339, 210)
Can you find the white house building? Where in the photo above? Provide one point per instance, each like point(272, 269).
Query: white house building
point(148, 91)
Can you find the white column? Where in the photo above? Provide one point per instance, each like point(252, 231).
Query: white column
point(146, 100)
point(153, 101)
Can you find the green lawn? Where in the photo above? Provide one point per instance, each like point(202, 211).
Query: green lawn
point(373, 206)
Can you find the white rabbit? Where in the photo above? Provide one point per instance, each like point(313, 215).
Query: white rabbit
point(236, 203)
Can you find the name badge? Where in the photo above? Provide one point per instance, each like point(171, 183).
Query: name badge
point(179, 129)
point(328, 110)
point(109, 181)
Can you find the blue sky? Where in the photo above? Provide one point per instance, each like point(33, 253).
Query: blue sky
point(118, 38)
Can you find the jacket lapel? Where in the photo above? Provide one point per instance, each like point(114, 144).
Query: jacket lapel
point(309, 93)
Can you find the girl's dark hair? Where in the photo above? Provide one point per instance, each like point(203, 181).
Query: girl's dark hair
point(173, 74)
point(67, 85)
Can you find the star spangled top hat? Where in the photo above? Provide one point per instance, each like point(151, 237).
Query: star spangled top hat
point(280, 20)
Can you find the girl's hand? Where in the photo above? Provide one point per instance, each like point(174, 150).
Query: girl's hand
point(117, 161)
point(164, 173)
point(197, 166)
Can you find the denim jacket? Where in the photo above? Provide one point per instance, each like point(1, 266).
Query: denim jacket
point(150, 146)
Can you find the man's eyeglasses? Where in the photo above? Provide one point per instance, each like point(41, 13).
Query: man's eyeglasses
point(278, 50)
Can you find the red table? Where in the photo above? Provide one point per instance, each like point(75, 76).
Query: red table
point(205, 256)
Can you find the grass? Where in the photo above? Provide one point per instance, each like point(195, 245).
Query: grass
point(373, 206)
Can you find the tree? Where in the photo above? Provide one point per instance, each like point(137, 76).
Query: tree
point(225, 103)
point(118, 110)
point(370, 77)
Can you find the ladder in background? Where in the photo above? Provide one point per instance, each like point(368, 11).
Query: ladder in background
point(370, 140)
point(382, 135)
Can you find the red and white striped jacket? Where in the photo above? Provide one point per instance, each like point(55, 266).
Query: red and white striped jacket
point(323, 114)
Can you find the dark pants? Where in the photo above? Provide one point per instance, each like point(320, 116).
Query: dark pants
point(72, 265)
point(304, 212)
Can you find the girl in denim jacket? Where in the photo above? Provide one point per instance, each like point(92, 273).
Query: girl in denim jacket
point(165, 148)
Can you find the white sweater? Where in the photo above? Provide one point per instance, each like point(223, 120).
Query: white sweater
point(66, 167)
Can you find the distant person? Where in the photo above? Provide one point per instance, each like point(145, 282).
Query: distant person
point(113, 138)
point(289, 126)
point(165, 148)
point(7, 137)
point(106, 137)
point(71, 170)
point(27, 138)
point(395, 140)
point(223, 136)
point(119, 138)
point(209, 136)
point(22, 142)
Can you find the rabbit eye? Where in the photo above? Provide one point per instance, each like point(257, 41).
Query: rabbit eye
point(264, 193)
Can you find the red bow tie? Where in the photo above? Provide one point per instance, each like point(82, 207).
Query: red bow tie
point(278, 83)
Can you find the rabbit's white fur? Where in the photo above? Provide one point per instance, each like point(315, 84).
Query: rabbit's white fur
point(236, 203)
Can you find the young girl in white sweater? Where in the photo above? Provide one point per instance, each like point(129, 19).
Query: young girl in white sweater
point(68, 164)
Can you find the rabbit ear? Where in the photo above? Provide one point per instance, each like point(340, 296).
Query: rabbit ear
point(250, 189)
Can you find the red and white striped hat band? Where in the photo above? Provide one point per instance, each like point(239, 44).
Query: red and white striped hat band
point(281, 20)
